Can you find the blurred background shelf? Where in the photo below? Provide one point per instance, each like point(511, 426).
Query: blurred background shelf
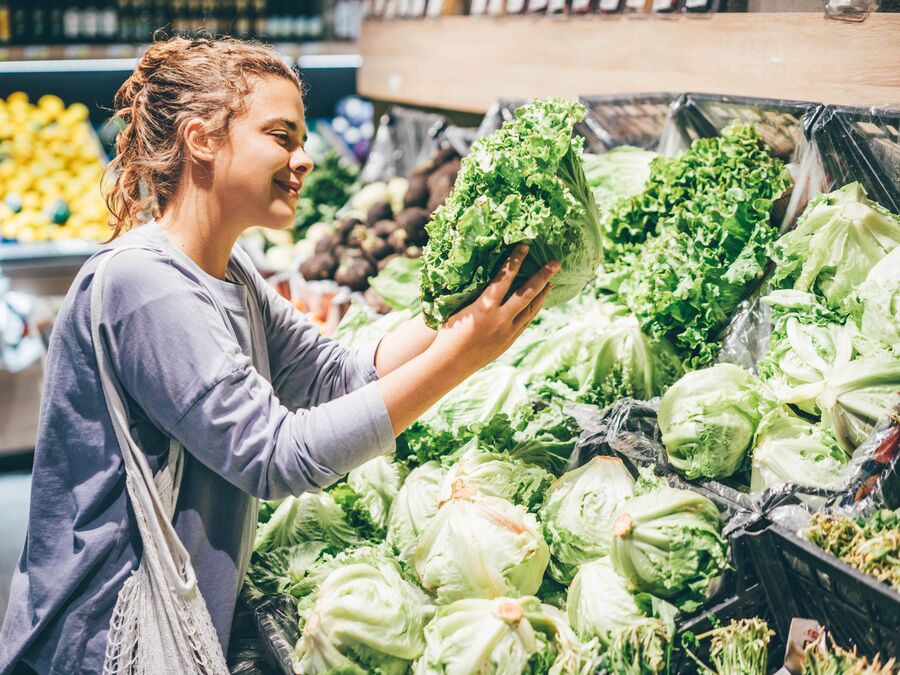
point(801, 56)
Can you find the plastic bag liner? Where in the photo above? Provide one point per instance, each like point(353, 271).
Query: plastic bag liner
point(610, 121)
point(858, 144)
point(274, 622)
point(784, 126)
point(405, 139)
point(637, 120)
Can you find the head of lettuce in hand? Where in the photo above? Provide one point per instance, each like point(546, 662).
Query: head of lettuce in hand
point(523, 184)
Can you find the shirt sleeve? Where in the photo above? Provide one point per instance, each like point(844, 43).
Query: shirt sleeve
point(176, 358)
point(308, 369)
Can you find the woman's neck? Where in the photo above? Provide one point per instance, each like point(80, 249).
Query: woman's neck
point(206, 237)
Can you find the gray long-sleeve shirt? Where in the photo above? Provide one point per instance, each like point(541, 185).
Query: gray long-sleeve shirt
point(263, 405)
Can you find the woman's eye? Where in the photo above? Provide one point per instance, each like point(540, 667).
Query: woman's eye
point(281, 137)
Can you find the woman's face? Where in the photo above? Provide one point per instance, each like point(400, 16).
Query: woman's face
point(259, 170)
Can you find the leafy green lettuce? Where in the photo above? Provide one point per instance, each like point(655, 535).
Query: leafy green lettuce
point(523, 184)
point(617, 174)
point(838, 239)
point(696, 238)
point(398, 283)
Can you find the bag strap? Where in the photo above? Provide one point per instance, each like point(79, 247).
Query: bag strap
point(146, 496)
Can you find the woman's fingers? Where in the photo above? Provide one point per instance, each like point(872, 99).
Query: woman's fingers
point(531, 288)
point(526, 316)
point(493, 295)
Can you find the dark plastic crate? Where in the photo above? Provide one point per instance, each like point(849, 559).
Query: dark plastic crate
point(860, 144)
point(802, 580)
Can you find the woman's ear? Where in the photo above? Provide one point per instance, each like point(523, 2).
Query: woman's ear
point(200, 145)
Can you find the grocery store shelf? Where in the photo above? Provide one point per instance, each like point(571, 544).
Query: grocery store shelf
point(115, 58)
point(466, 63)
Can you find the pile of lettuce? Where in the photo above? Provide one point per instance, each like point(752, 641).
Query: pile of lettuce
point(523, 184)
point(683, 253)
point(831, 370)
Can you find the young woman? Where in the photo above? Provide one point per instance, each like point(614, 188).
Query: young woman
point(207, 354)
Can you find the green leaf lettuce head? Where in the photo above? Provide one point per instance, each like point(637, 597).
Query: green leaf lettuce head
point(275, 571)
point(503, 636)
point(377, 482)
point(708, 419)
point(706, 219)
point(879, 297)
point(365, 618)
point(579, 511)
point(359, 330)
point(497, 475)
point(617, 174)
point(523, 184)
point(789, 449)
point(668, 543)
point(415, 504)
point(818, 367)
point(598, 603)
point(739, 648)
point(640, 648)
point(480, 547)
point(309, 517)
point(838, 239)
point(398, 283)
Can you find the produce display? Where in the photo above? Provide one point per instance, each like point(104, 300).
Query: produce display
point(825, 657)
point(381, 223)
point(493, 545)
point(832, 367)
point(50, 172)
point(329, 186)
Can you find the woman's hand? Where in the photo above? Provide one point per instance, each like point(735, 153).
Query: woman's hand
point(482, 331)
point(471, 338)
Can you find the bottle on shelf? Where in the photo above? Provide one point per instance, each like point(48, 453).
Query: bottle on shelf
point(108, 21)
point(5, 32)
point(55, 10)
point(90, 22)
point(196, 17)
point(241, 26)
point(211, 17)
point(72, 23)
point(18, 22)
point(37, 23)
point(158, 16)
point(258, 10)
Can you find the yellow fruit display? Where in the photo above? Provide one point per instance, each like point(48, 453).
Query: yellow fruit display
point(50, 171)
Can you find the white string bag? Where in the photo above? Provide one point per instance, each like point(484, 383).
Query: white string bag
point(160, 623)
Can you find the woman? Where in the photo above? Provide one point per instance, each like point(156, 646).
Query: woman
point(208, 355)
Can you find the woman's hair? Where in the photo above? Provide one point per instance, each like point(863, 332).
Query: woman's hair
point(175, 81)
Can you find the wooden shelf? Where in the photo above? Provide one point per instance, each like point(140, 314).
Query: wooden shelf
point(466, 63)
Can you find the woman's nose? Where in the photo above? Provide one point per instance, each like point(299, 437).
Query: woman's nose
point(301, 162)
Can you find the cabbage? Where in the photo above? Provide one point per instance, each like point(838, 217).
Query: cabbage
point(503, 636)
point(497, 476)
point(789, 449)
point(668, 543)
point(523, 184)
point(365, 618)
point(839, 238)
point(414, 505)
point(398, 283)
point(377, 483)
point(309, 517)
point(879, 296)
point(276, 571)
point(708, 419)
point(538, 432)
point(617, 174)
point(480, 547)
point(817, 366)
point(598, 603)
point(499, 389)
point(579, 511)
point(620, 361)
point(359, 330)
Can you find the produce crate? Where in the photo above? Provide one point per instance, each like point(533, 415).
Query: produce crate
point(802, 580)
point(859, 144)
point(637, 120)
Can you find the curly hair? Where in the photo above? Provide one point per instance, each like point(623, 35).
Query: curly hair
point(175, 81)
